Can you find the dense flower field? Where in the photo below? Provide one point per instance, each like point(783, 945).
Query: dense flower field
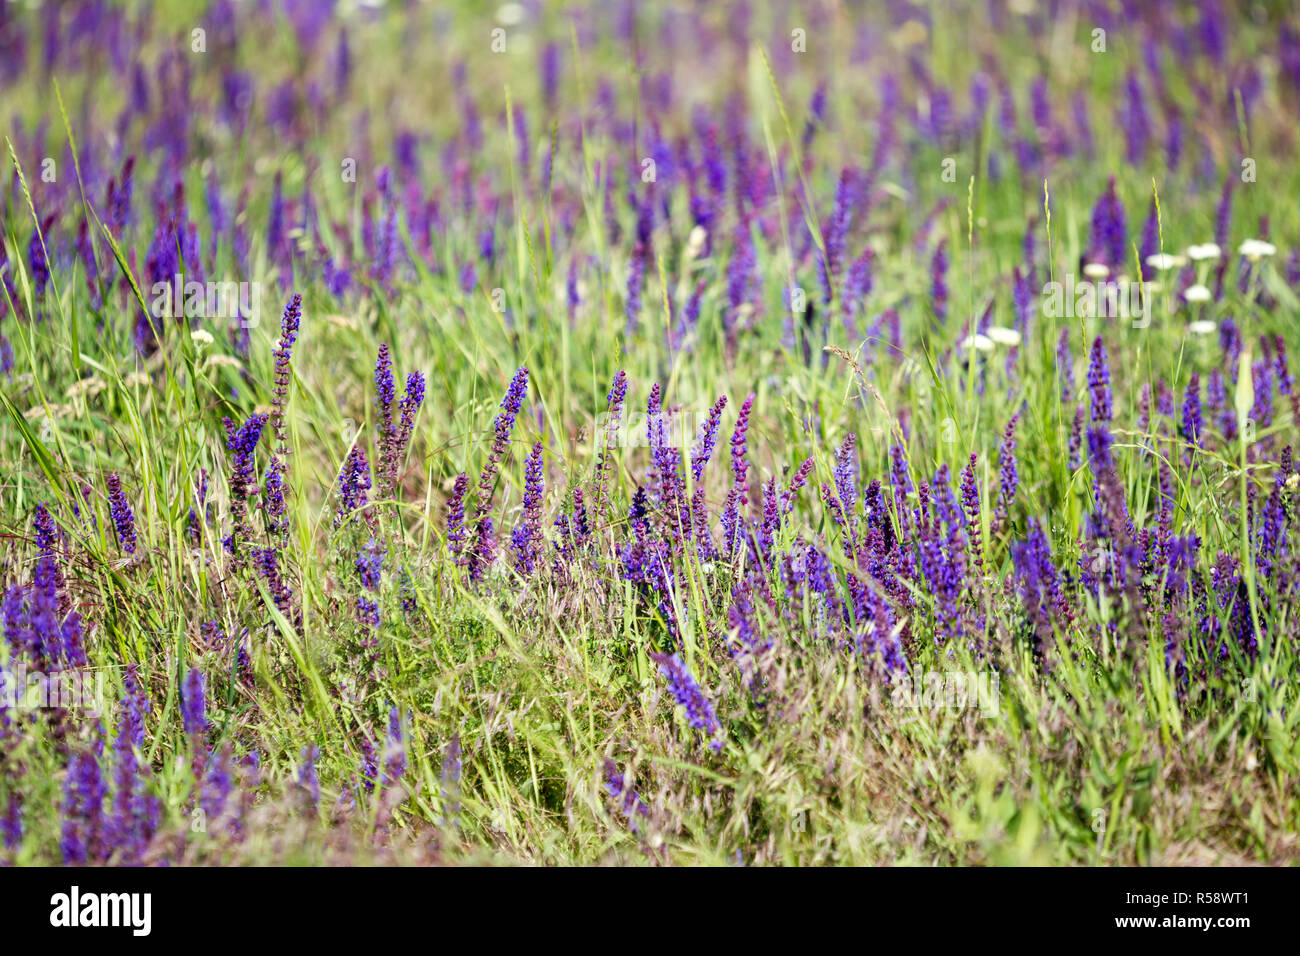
point(687, 433)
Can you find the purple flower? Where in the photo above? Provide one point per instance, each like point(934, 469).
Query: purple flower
point(688, 694)
point(370, 564)
point(837, 230)
point(625, 797)
point(399, 436)
point(1009, 476)
point(193, 703)
point(45, 532)
point(308, 778)
point(938, 281)
point(845, 475)
point(354, 483)
point(1099, 382)
point(283, 353)
point(385, 391)
point(35, 626)
point(635, 280)
point(11, 823)
point(277, 523)
point(218, 782)
point(739, 448)
point(610, 439)
point(741, 274)
point(1150, 245)
point(484, 546)
point(84, 791)
point(1136, 125)
point(1039, 586)
point(456, 516)
point(241, 441)
point(268, 566)
point(123, 517)
point(708, 438)
point(394, 751)
point(1109, 237)
point(525, 541)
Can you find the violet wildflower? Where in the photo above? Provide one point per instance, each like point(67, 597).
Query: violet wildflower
point(370, 564)
point(689, 695)
point(740, 279)
point(624, 796)
point(45, 532)
point(938, 281)
point(1039, 586)
point(635, 281)
point(277, 522)
point(837, 230)
point(308, 781)
point(525, 540)
point(399, 434)
point(386, 394)
point(394, 751)
point(354, 484)
point(484, 546)
point(123, 517)
point(1136, 125)
point(1099, 382)
point(289, 323)
point(194, 704)
point(36, 627)
point(268, 566)
point(845, 475)
point(1109, 236)
point(456, 532)
point(739, 448)
point(970, 502)
point(84, 791)
point(609, 439)
point(11, 823)
point(218, 782)
point(241, 441)
point(135, 812)
point(1192, 427)
point(708, 438)
point(1065, 365)
point(1009, 476)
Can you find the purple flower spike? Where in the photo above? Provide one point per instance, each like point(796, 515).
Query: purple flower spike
point(123, 517)
point(1192, 427)
point(688, 694)
point(708, 439)
point(484, 546)
point(525, 541)
point(193, 703)
point(739, 448)
point(1099, 382)
point(354, 483)
point(1109, 229)
point(283, 354)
